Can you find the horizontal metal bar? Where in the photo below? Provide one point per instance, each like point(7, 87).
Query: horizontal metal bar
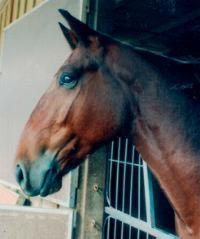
point(123, 162)
point(137, 223)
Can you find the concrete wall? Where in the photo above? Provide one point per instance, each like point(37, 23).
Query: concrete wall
point(33, 50)
point(28, 223)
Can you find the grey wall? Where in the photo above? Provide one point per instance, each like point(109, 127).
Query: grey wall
point(28, 223)
point(33, 50)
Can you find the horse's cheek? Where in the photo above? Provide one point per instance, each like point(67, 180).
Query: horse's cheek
point(100, 126)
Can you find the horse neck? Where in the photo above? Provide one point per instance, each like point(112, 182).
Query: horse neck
point(161, 136)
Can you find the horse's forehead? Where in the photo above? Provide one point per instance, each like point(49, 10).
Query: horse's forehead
point(82, 53)
point(78, 58)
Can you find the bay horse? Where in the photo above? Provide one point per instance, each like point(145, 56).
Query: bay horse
point(107, 88)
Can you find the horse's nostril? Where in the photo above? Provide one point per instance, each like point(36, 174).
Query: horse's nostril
point(20, 174)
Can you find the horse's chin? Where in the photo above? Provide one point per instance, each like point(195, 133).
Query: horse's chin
point(55, 187)
point(47, 189)
point(53, 183)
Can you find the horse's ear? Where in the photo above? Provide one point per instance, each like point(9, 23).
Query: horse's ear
point(69, 35)
point(81, 30)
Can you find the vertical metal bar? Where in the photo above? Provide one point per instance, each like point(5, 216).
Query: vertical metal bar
point(109, 185)
point(148, 188)
point(131, 187)
point(129, 232)
point(139, 193)
point(124, 176)
point(139, 186)
point(96, 14)
point(138, 234)
point(122, 230)
point(124, 183)
point(132, 174)
point(117, 182)
point(111, 166)
point(108, 229)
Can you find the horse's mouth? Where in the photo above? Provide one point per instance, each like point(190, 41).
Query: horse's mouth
point(45, 175)
point(53, 180)
point(51, 184)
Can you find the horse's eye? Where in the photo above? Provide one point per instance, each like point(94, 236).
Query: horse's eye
point(67, 80)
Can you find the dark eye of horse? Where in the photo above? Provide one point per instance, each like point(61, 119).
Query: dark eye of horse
point(67, 80)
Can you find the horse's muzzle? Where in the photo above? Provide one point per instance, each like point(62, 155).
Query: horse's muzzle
point(42, 177)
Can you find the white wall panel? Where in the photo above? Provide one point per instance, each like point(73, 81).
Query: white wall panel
point(33, 50)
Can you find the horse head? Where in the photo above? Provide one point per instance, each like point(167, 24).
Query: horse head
point(87, 104)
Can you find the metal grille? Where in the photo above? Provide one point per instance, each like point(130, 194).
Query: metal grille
point(129, 211)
